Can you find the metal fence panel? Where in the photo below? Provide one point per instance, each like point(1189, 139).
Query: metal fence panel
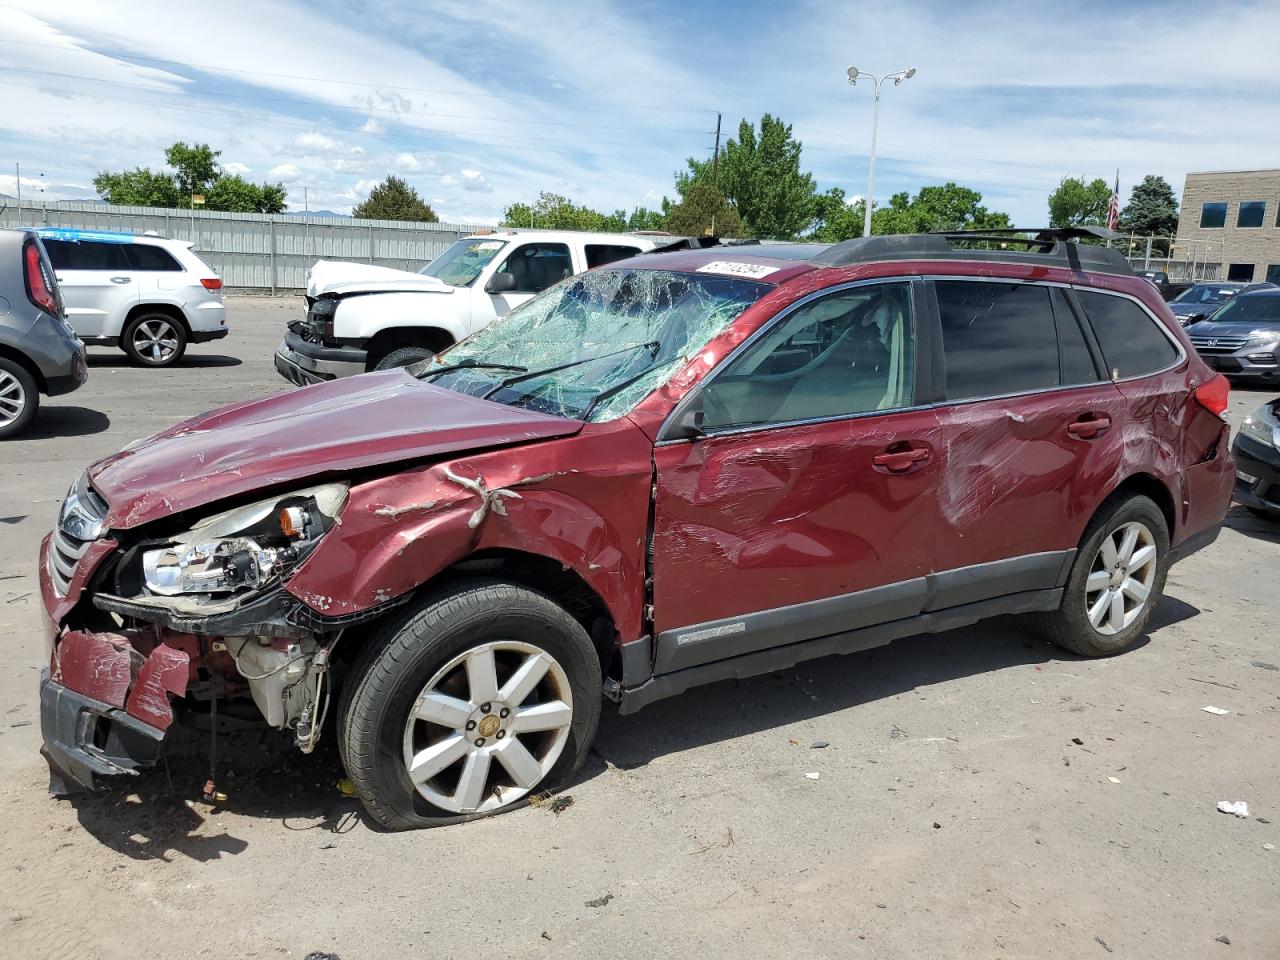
point(258, 252)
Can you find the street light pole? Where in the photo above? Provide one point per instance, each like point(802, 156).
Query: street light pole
point(854, 75)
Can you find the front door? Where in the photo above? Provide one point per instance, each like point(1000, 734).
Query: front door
point(534, 267)
point(808, 507)
point(97, 285)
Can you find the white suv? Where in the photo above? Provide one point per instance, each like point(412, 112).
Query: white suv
point(362, 317)
point(148, 295)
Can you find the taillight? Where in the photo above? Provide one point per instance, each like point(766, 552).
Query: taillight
point(40, 288)
point(1215, 395)
point(212, 283)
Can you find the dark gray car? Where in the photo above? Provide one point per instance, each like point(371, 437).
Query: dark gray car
point(1243, 338)
point(39, 352)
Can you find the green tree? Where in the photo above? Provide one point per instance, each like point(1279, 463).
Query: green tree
point(196, 166)
point(760, 176)
point(1079, 203)
point(834, 218)
point(138, 187)
point(948, 207)
point(642, 218)
point(552, 211)
point(704, 211)
point(393, 199)
point(232, 192)
point(1152, 209)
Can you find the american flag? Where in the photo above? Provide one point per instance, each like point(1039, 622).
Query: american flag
point(1113, 208)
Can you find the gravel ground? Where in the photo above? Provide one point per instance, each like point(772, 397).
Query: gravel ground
point(982, 794)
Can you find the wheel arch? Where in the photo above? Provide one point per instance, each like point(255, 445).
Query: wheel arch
point(1153, 489)
point(385, 341)
point(22, 360)
point(171, 310)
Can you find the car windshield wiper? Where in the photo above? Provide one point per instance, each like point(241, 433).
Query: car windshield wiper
point(651, 346)
point(619, 387)
point(470, 364)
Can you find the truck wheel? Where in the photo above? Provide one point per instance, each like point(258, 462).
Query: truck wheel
point(154, 340)
point(404, 356)
point(19, 398)
point(1116, 580)
point(485, 695)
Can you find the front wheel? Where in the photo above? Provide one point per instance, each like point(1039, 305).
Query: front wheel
point(1116, 580)
point(403, 357)
point(154, 340)
point(486, 694)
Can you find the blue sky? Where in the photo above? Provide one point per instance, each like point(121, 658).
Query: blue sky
point(479, 105)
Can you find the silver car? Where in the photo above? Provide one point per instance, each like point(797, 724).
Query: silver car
point(39, 352)
point(1243, 338)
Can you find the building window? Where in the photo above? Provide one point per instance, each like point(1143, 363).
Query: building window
point(1251, 213)
point(1240, 273)
point(1213, 215)
point(1273, 273)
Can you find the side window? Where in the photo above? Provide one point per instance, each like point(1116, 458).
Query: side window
point(1130, 338)
point(1073, 351)
point(997, 338)
point(537, 266)
point(86, 255)
point(144, 256)
point(850, 352)
point(598, 254)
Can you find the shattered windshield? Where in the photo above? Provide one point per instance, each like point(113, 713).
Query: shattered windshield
point(593, 346)
point(463, 261)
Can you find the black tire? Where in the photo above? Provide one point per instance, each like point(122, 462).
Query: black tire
point(1261, 514)
point(174, 340)
point(17, 389)
point(403, 656)
point(1069, 625)
point(403, 356)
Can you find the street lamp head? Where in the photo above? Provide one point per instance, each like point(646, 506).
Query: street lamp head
point(905, 75)
point(853, 74)
point(910, 73)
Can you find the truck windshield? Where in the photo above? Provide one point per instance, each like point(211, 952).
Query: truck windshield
point(621, 333)
point(463, 261)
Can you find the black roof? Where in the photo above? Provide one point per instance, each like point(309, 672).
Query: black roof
point(1034, 245)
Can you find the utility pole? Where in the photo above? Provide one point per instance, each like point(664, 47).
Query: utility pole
point(17, 174)
point(715, 171)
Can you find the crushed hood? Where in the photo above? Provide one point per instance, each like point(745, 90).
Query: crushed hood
point(328, 429)
point(338, 277)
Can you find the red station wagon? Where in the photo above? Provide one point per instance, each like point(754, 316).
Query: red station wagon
point(683, 467)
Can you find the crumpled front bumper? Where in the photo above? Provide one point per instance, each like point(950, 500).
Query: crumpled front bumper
point(88, 743)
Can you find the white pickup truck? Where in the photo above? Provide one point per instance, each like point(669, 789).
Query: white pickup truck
point(362, 317)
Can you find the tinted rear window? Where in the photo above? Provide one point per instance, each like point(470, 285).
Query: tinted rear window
point(997, 338)
point(1131, 339)
point(598, 254)
point(86, 255)
point(148, 257)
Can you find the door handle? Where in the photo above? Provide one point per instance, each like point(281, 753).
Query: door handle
point(120, 279)
point(1089, 425)
point(900, 457)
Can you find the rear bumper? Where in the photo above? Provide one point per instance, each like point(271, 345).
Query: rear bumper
point(89, 744)
point(302, 363)
point(205, 336)
point(1259, 487)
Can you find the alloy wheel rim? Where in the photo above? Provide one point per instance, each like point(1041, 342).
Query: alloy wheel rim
point(13, 399)
point(488, 727)
point(155, 340)
point(1120, 580)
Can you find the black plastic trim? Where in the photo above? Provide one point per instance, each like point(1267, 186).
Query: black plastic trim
point(207, 336)
point(637, 661)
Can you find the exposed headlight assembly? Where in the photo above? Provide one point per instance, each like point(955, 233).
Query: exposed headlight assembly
point(246, 548)
point(1263, 426)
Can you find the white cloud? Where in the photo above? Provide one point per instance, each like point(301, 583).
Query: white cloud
point(315, 143)
point(372, 126)
point(236, 169)
point(284, 171)
point(415, 163)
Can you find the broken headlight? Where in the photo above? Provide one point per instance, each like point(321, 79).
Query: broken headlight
point(245, 548)
point(1264, 426)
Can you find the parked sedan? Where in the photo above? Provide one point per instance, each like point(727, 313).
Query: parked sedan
point(1257, 454)
point(1202, 300)
point(1243, 338)
point(39, 352)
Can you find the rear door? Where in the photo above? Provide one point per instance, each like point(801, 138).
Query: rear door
point(97, 284)
point(808, 508)
point(1032, 433)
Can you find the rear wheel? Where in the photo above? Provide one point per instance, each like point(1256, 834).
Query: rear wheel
point(154, 340)
point(487, 694)
point(1116, 580)
point(19, 398)
point(403, 356)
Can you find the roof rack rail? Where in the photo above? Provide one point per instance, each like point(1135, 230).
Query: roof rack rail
point(1042, 246)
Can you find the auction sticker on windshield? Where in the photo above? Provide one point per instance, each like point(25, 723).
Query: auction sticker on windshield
point(753, 271)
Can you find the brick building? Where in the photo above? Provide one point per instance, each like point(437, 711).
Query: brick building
point(1230, 221)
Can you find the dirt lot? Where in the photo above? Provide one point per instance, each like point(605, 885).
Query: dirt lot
point(982, 794)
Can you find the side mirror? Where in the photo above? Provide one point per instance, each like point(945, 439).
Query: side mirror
point(688, 423)
point(500, 282)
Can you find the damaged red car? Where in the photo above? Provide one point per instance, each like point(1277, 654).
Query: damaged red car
point(688, 466)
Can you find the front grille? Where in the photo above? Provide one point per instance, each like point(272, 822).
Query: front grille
point(82, 510)
point(1218, 346)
